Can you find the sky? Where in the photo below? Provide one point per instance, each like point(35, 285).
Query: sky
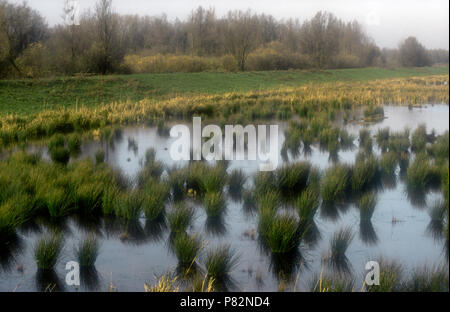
point(386, 21)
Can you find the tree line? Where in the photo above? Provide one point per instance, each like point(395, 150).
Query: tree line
point(106, 42)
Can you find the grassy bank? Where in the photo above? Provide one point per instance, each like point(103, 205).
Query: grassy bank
point(318, 103)
point(25, 97)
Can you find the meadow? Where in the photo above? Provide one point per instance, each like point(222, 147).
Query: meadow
point(31, 96)
point(65, 169)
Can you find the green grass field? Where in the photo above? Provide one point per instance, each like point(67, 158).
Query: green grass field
point(29, 96)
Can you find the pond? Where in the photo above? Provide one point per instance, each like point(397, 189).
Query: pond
point(400, 227)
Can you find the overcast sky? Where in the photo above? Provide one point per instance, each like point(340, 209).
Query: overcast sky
point(386, 21)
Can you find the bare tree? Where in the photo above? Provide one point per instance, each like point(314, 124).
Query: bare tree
point(241, 35)
point(108, 51)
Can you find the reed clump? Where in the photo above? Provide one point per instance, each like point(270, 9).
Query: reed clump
point(47, 251)
point(220, 261)
point(180, 218)
point(87, 251)
point(336, 183)
point(187, 248)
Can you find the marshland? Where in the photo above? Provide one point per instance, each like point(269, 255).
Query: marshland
point(363, 175)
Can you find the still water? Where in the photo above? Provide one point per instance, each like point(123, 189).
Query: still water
point(400, 227)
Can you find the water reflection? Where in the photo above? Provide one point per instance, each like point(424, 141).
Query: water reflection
point(156, 229)
point(340, 266)
point(133, 233)
point(367, 233)
point(10, 248)
point(48, 281)
point(286, 266)
point(90, 278)
point(215, 226)
point(329, 211)
point(88, 223)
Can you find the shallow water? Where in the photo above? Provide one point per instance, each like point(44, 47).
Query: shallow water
point(399, 230)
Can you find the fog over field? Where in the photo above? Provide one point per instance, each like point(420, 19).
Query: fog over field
point(387, 22)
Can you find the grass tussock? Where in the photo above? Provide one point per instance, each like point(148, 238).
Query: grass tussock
point(366, 205)
point(331, 283)
point(187, 248)
point(339, 243)
point(422, 174)
point(364, 175)
point(220, 261)
point(47, 251)
point(292, 178)
point(336, 183)
point(307, 204)
point(129, 205)
point(180, 218)
point(428, 279)
point(391, 277)
point(87, 251)
point(214, 204)
point(154, 195)
point(282, 234)
point(388, 163)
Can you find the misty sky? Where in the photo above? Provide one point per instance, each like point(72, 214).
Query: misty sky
point(386, 21)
